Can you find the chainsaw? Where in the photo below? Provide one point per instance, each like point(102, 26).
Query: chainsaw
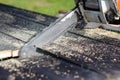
point(87, 14)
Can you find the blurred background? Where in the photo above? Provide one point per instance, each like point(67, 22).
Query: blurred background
point(49, 7)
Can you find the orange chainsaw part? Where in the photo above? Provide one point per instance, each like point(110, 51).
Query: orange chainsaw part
point(118, 4)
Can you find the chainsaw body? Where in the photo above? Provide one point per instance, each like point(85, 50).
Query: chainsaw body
point(100, 11)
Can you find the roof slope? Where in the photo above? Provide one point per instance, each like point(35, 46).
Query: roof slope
point(94, 54)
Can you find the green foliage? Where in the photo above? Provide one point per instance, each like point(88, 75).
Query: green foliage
point(50, 7)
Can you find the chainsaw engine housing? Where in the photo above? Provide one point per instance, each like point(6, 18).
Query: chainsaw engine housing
point(101, 11)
